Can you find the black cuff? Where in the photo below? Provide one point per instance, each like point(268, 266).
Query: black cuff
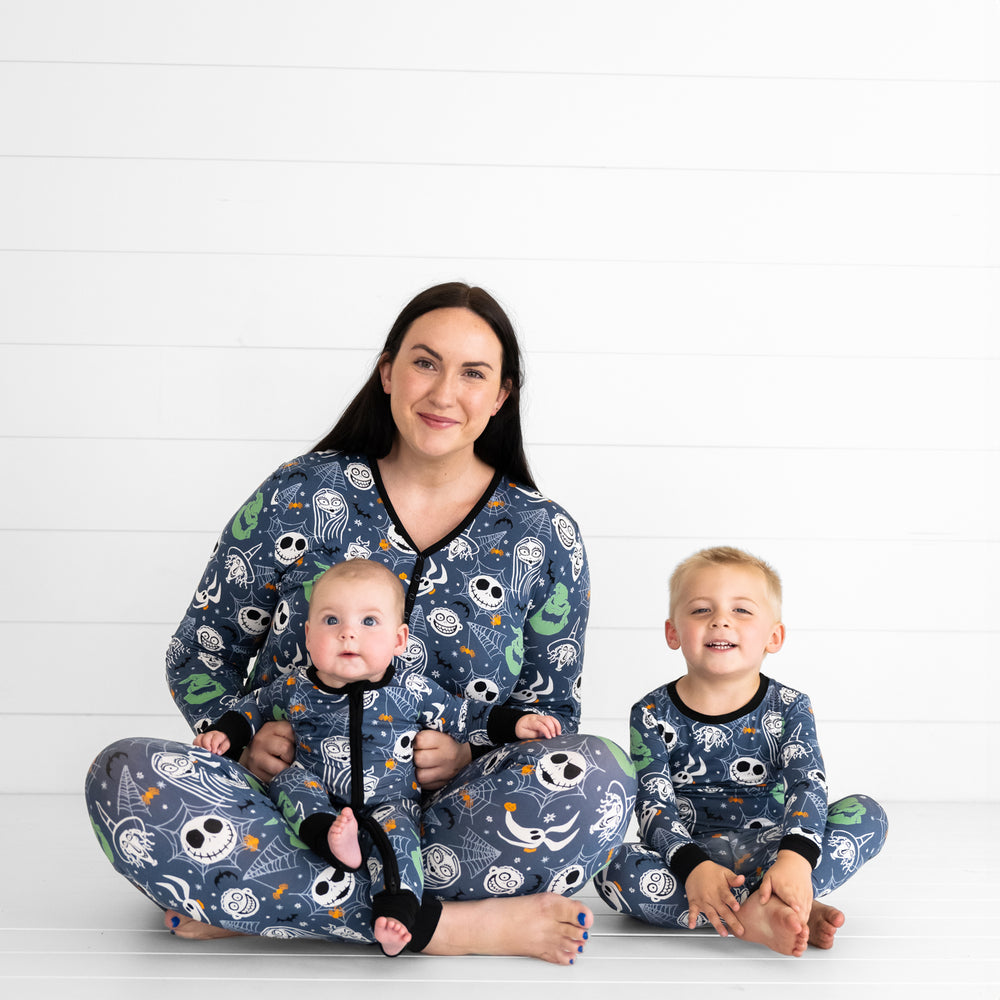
point(686, 859)
point(402, 905)
point(313, 832)
point(801, 845)
point(500, 725)
point(237, 728)
point(425, 924)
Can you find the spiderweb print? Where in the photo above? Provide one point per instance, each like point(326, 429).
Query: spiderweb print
point(489, 639)
point(329, 474)
point(417, 623)
point(278, 856)
point(492, 541)
point(538, 523)
point(282, 498)
point(476, 850)
point(658, 915)
point(130, 796)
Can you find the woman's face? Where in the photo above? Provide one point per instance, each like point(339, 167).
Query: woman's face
point(444, 384)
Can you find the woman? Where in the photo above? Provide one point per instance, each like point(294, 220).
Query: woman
point(425, 471)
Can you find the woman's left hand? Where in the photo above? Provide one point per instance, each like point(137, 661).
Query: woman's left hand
point(438, 758)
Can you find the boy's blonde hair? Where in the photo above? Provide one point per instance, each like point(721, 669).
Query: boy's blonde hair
point(725, 555)
point(364, 571)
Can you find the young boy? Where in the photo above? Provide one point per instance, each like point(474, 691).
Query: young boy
point(732, 801)
point(354, 718)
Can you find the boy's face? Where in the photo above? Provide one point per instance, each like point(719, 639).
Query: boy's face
point(353, 630)
point(724, 622)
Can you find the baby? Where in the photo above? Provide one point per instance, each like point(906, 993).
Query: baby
point(732, 803)
point(353, 786)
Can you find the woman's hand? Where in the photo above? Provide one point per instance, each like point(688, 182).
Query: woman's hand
point(438, 758)
point(271, 751)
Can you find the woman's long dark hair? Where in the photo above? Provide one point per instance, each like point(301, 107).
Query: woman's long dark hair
point(366, 426)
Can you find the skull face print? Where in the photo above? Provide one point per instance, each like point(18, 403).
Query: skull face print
point(208, 838)
point(487, 592)
point(290, 548)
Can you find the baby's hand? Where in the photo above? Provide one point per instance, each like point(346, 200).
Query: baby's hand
point(537, 727)
point(212, 740)
point(708, 891)
point(790, 879)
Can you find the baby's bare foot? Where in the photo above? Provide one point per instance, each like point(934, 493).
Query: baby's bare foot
point(194, 930)
point(774, 924)
point(391, 935)
point(824, 922)
point(343, 839)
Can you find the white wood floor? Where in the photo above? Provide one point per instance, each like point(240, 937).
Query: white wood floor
point(922, 921)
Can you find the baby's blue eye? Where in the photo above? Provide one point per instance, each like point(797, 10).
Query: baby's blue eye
point(330, 620)
point(369, 620)
point(743, 611)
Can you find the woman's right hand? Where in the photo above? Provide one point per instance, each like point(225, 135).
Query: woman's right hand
point(271, 751)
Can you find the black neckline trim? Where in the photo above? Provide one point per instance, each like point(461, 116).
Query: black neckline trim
point(451, 536)
point(354, 686)
point(746, 709)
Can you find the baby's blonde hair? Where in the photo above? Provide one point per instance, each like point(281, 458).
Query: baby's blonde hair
point(726, 555)
point(367, 571)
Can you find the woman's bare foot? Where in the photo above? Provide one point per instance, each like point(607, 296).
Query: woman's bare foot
point(774, 924)
point(343, 839)
point(194, 930)
point(391, 935)
point(550, 927)
point(824, 922)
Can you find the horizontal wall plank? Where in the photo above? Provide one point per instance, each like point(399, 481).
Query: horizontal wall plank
point(611, 399)
point(191, 485)
point(96, 110)
point(559, 306)
point(112, 669)
point(921, 39)
point(529, 213)
point(859, 756)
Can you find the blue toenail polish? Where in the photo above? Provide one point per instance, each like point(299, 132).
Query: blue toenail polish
point(586, 936)
point(580, 949)
point(571, 961)
point(582, 919)
point(174, 921)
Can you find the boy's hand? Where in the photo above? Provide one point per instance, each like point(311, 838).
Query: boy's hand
point(790, 879)
point(212, 740)
point(537, 727)
point(708, 891)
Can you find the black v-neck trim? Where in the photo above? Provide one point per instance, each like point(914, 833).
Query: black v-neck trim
point(451, 536)
point(746, 709)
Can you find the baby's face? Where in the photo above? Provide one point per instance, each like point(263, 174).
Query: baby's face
point(353, 630)
point(724, 621)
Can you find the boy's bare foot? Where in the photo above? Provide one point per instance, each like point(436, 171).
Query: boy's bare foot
point(343, 838)
point(194, 930)
point(546, 926)
point(824, 922)
point(391, 935)
point(774, 924)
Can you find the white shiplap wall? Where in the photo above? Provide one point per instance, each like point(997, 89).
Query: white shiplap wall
point(751, 248)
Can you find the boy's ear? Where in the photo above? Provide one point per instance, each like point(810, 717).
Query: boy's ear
point(673, 639)
point(777, 639)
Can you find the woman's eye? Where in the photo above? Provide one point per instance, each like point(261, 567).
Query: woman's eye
point(474, 373)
